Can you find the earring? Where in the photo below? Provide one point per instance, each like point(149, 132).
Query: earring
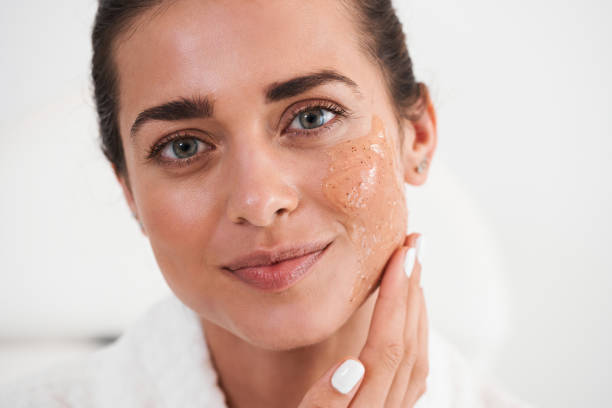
point(422, 166)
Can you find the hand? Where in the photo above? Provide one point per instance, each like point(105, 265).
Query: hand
point(395, 355)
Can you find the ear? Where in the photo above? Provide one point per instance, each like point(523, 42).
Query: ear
point(419, 142)
point(124, 182)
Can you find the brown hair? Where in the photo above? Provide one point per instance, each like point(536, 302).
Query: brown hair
point(382, 39)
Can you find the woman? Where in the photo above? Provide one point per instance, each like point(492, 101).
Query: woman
point(263, 147)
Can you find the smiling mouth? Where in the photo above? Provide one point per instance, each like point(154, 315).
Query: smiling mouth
point(278, 276)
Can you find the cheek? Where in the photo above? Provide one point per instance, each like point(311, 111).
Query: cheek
point(364, 183)
point(179, 219)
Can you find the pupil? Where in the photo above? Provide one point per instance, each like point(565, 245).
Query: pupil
point(184, 148)
point(312, 119)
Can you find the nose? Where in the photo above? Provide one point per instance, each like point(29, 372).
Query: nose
point(259, 188)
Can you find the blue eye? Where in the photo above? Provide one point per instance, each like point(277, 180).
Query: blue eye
point(181, 148)
point(312, 118)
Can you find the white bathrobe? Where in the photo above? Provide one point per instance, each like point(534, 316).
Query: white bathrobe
point(162, 361)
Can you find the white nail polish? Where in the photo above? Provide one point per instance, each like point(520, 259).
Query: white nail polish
point(409, 263)
point(419, 249)
point(347, 376)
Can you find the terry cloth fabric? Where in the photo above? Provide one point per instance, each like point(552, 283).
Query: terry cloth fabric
point(162, 361)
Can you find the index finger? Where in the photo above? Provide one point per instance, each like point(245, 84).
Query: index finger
point(384, 348)
point(336, 387)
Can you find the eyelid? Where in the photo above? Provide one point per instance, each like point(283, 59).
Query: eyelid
point(337, 109)
point(299, 107)
point(155, 151)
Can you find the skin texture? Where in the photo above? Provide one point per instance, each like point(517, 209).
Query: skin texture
point(364, 183)
point(257, 183)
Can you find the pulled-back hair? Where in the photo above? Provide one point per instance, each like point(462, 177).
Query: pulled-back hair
point(381, 38)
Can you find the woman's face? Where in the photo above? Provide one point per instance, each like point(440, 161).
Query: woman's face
point(258, 162)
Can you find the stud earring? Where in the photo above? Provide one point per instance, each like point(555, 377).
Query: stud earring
point(422, 166)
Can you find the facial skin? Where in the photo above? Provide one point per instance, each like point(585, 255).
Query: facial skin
point(258, 179)
point(364, 184)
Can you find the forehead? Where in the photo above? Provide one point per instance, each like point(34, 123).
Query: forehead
point(230, 47)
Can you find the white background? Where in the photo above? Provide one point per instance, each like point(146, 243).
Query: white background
point(523, 95)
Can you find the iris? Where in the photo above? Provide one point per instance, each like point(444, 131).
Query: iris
point(184, 148)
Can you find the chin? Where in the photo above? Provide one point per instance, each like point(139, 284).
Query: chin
point(313, 313)
point(284, 330)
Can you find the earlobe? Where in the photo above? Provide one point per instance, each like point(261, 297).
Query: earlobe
point(420, 139)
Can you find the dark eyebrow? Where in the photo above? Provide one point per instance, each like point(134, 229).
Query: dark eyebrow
point(295, 86)
point(180, 109)
point(201, 107)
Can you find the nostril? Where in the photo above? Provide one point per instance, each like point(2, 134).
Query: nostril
point(259, 205)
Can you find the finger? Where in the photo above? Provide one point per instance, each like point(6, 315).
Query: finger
point(402, 377)
point(337, 387)
point(418, 378)
point(384, 348)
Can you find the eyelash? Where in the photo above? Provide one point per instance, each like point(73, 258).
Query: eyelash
point(155, 151)
point(339, 112)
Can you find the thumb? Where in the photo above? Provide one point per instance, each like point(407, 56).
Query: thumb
point(337, 387)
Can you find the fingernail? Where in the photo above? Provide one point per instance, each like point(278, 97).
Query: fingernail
point(347, 376)
point(419, 249)
point(409, 261)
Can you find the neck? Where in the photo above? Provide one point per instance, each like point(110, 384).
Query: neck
point(254, 377)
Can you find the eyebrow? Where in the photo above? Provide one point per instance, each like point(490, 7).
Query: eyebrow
point(202, 107)
point(180, 109)
point(287, 89)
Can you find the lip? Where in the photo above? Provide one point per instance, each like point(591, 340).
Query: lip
point(277, 270)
